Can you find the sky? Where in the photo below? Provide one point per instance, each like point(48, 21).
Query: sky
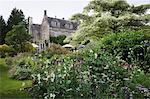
point(58, 8)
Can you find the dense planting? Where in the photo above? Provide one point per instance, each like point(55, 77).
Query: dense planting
point(114, 62)
point(100, 70)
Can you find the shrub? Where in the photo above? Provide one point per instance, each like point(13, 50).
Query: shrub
point(131, 46)
point(22, 67)
point(139, 84)
point(56, 49)
point(4, 49)
point(27, 47)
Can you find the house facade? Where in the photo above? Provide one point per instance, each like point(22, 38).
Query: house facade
point(49, 27)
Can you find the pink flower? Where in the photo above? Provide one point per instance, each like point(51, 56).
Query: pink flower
point(125, 65)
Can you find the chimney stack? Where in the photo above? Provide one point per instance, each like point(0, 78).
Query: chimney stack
point(30, 25)
point(29, 20)
point(45, 13)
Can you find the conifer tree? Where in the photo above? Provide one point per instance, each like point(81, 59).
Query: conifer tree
point(15, 18)
point(2, 30)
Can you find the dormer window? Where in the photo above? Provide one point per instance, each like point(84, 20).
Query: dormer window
point(55, 23)
point(69, 26)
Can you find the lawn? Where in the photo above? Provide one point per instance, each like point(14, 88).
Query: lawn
point(10, 88)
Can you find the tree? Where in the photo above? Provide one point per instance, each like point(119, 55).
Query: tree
point(17, 36)
point(15, 18)
point(2, 30)
point(58, 40)
point(101, 17)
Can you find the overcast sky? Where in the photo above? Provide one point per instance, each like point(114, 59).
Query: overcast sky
point(58, 8)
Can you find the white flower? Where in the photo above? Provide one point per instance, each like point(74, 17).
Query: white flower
point(48, 76)
point(104, 75)
point(46, 79)
point(39, 77)
point(96, 55)
point(106, 67)
point(59, 70)
point(52, 95)
point(91, 51)
point(39, 82)
point(46, 72)
point(52, 77)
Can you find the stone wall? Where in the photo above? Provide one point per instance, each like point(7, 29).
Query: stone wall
point(44, 29)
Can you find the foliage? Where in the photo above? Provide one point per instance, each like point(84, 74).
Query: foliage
point(101, 17)
point(56, 49)
point(17, 36)
point(100, 70)
point(27, 47)
point(10, 88)
point(74, 75)
point(21, 67)
point(15, 18)
point(14, 33)
point(2, 30)
point(131, 46)
point(139, 84)
point(4, 49)
point(58, 39)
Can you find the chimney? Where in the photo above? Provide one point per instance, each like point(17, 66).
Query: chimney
point(45, 13)
point(30, 20)
point(30, 25)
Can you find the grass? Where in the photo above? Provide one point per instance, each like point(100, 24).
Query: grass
point(10, 88)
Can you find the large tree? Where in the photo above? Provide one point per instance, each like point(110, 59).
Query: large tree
point(15, 18)
point(2, 30)
point(104, 16)
point(17, 37)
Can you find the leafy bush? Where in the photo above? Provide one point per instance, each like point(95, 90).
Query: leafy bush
point(27, 47)
point(56, 49)
point(4, 49)
point(131, 46)
point(22, 67)
point(139, 84)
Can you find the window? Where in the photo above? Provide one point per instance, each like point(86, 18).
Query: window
point(69, 26)
point(41, 46)
point(55, 23)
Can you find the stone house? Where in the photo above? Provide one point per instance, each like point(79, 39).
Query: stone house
point(49, 27)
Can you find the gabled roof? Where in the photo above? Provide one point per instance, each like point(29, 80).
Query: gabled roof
point(62, 23)
point(36, 27)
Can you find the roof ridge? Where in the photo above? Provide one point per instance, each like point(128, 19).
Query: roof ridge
point(62, 19)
